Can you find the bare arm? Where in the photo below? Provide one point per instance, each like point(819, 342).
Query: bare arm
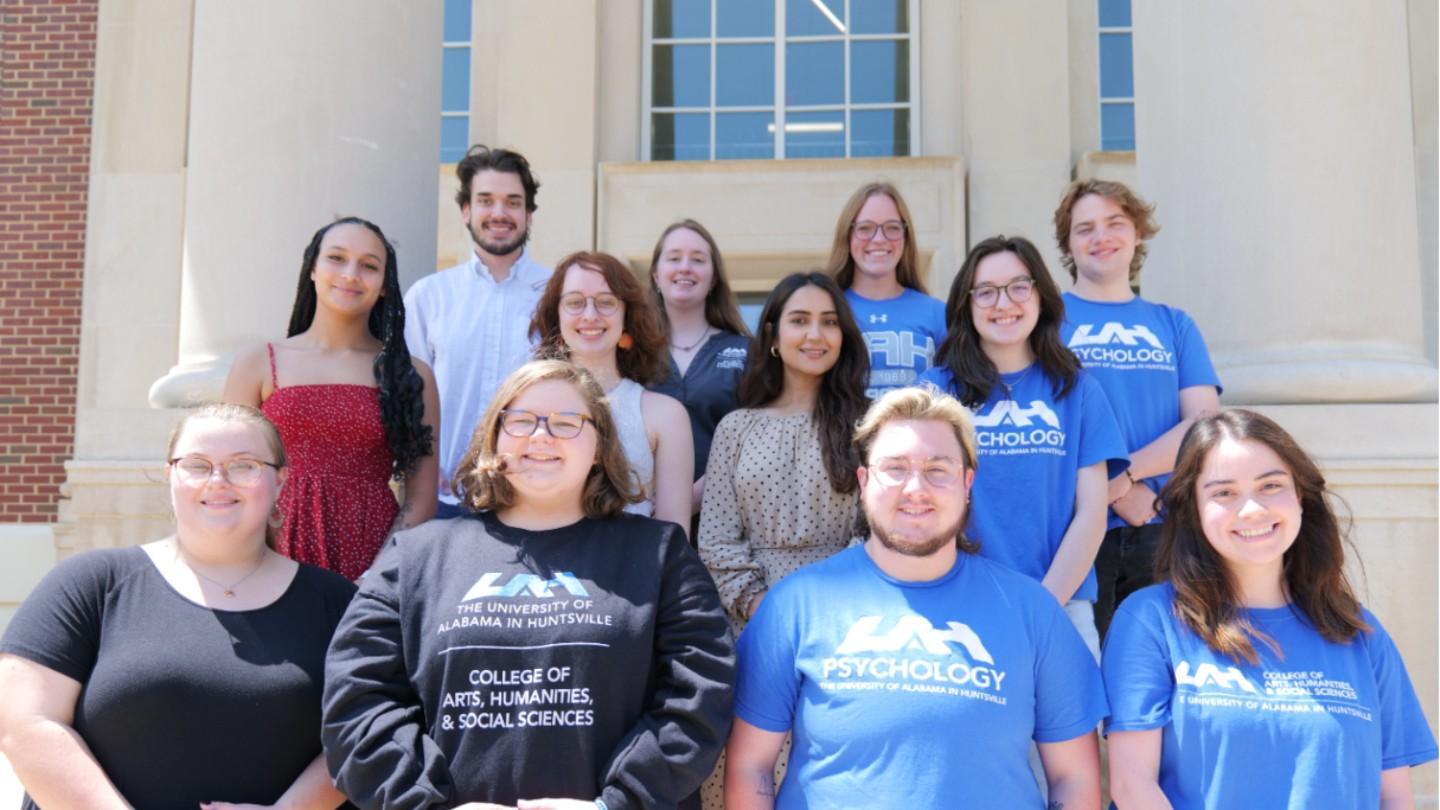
point(249, 378)
point(1072, 770)
point(37, 734)
point(1076, 553)
point(423, 483)
point(1158, 457)
point(750, 767)
point(1135, 770)
point(669, 427)
point(1396, 792)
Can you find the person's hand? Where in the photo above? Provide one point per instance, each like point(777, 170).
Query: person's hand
point(554, 804)
point(1137, 506)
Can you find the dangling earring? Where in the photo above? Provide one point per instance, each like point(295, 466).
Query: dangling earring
point(774, 350)
point(626, 342)
point(277, 518)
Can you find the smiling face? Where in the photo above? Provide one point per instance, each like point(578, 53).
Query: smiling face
point(878, 256)
point(349, 271)
point(1008, 322)
point(1249, 506)
point(215, 506)
point(540, 466)
point(1102, 239)
point(808, 335)
point(685, 272)
point(495, 214)
point(914, 517)
point(589, 333)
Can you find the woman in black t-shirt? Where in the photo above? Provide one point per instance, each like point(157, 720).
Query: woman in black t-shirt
point(546, 649)
point(185, 672)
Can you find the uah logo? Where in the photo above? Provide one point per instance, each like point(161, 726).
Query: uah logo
point(1207, 674)
point(526, 584)
point(883, 317)
point(898, 348)
point(1114, 333)
point(912, 632)
point(1009, 411)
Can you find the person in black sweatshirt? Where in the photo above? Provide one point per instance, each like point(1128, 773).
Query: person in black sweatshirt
point(546, 651)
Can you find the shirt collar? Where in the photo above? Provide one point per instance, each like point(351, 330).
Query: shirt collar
point(477, 266)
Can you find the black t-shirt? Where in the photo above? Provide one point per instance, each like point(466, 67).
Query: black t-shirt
point(181, 703)
point(708, 389)
point(480, 662)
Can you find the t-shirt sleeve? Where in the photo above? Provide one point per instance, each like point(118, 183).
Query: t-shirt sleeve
point(1100, 436)
point(1193, 364)
point(58, 626)
point(1405, 737)
point(935, 317)
point(1069, 696)
point(1136, 668)
point(670, 750)
point(768, 687)
point(373, 725)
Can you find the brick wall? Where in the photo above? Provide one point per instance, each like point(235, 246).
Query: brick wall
point(47, 70)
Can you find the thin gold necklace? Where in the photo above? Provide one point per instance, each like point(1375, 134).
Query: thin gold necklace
point(228, 590)
point(705, 334)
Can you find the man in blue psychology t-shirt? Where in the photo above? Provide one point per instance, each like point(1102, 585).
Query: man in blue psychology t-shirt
point(1150, 358)
point(911, 671)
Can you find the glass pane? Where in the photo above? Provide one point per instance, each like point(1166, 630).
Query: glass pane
point(880, 133)
point(455, 80)
point(745, 75)
point(680, 136)
point(681, 18)
point(1117, 127)
point(745, 18)
point(880, 72)
point(879, 16)
point(1114, 13)
point(750, 306)
point(815, 134)
point(1117, 77)
point(741, 136)
point(680, 76)
point(814, 73)
point(457, 20)
point(808, 18)
point(454, 138)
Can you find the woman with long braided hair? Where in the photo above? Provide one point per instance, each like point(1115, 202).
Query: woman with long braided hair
point(354, 409)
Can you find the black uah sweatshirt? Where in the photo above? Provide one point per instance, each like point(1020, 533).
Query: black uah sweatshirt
point(479, 662)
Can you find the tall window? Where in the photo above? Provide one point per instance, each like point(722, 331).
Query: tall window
point(733, 79)
point(455, 82)
point(1117, 77)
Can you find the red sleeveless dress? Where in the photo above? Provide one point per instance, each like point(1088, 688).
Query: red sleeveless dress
point(337, 502)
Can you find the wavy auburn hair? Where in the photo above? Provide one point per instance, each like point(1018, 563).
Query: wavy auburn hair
point(841, 265)
point(647, 361)
point(721, 311)
point(611, 484)
point(1314, 578)
point(1141, 214)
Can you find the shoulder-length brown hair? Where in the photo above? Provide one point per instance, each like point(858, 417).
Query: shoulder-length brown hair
point(721, 311)
point(645, 361)
point(1141, 214)
point(1314, 566)
point(841, 265)
point(480, 479)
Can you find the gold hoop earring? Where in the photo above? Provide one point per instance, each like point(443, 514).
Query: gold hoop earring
point(774, 350)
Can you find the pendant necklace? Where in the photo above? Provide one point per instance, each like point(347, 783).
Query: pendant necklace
point(677, 347)
point(228, 590)
point(1009, 387)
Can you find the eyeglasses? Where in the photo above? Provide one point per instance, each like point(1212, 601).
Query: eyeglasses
point(574, 303)
point(242, 472)
point(941, 473)
point(1018, 291)
point(894, 229)
point(562, 425)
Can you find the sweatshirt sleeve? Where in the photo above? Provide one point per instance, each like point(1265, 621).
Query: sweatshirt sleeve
point(673, 747)
point(373, 727)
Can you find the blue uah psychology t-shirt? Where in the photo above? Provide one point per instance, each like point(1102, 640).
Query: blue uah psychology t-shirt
point(918, 694)
point(1312, 728)
point(1031, 447)
point(1142, 354)
point(902, 333)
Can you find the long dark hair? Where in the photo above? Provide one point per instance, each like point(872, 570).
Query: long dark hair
point(841, 401)
point(960, 352)
point(1314, 565)
point(721, 310)
point(402, 401)
point(645, 361)
point(841, 265)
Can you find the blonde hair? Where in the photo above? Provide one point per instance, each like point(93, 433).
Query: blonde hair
point(480, 478)
point(232, 412)
point(841, 266)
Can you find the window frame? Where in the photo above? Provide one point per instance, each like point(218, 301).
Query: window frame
point(1100, 98)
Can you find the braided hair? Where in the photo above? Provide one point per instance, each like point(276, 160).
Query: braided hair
point(401, 390)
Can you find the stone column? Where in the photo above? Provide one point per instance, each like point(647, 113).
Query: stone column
point(298, 113)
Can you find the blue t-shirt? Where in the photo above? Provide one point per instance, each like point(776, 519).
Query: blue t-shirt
point(902, 333)
point(1313, 728)
point(1031, 447)
point(1142, 354)
point(922, 694)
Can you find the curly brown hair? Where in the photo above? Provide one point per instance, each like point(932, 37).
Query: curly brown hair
point(1141, 214)
point(611, 485)
point(647, 359)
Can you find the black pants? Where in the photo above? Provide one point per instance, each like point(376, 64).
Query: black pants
point(1125, 564)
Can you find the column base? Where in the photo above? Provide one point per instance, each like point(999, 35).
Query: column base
point(1329, 374)
point(191, 384)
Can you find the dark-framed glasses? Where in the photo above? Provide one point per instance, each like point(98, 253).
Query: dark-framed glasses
point(574, 303)
point(941, 472)
point(561, 424)
point(894, 229)
point(242, 472)
point(1018, 291)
